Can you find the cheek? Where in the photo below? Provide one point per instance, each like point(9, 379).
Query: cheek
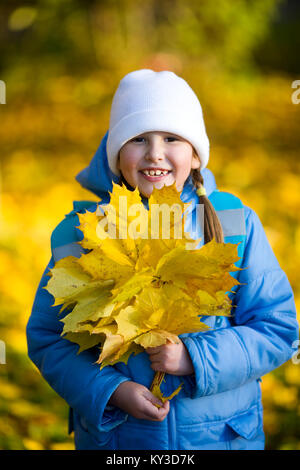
point(183, 167)
point(182, 160)
point(128, 162)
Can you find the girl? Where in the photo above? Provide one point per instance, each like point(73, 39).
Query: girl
point(157, 136)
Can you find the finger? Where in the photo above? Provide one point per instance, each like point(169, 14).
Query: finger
point(153, 350)
point(164, 410)
point(166, 404)
point(152, 398)
point(153, 412)
point(156, 414)
point(158, 367)
point(158, 358)
point(154, 356)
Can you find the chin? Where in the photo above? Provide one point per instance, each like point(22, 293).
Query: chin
point(146, 194)
point(146, 191)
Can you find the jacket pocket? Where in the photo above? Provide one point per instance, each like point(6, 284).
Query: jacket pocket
point(86, 439)
point(246, 430)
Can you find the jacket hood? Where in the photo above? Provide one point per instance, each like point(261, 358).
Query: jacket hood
point(97, 177)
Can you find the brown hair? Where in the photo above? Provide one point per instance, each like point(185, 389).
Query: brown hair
point(212, 225)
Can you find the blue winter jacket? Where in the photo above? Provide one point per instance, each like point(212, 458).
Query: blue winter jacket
point(220, 405)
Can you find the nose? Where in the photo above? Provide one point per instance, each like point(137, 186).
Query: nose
point(154, 151)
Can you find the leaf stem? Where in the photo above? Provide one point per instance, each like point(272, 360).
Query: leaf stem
point(157, 380)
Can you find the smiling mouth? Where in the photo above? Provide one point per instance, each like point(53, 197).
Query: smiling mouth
point(158, 173)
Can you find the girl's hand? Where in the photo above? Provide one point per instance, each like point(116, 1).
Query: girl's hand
point(171, 358)
point(137, 400)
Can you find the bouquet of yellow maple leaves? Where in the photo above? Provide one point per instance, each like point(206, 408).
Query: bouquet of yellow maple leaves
point(141, 283)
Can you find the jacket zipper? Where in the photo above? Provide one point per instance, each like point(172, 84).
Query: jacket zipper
point(172, 418)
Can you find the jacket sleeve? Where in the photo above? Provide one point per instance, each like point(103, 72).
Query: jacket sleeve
point(264, 324)
point(75, 377)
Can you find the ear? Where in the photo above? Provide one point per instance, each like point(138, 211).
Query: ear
point(196, 163)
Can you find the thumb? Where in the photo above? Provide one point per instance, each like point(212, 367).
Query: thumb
point(154, 400)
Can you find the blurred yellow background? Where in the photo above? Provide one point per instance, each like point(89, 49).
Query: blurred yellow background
point(61, 61)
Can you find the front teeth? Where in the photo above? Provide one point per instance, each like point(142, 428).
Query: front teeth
point(155, 172)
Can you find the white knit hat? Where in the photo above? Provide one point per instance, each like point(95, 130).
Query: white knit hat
point(148, 101)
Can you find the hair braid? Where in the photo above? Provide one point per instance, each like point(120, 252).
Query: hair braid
point(212, 225)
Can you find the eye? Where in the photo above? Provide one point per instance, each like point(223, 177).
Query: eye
point(171, 138)
point(138, 139)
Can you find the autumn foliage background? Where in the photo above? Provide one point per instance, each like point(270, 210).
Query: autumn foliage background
point(61, 62)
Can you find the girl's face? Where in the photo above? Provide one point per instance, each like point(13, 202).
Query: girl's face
point(156, 159)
